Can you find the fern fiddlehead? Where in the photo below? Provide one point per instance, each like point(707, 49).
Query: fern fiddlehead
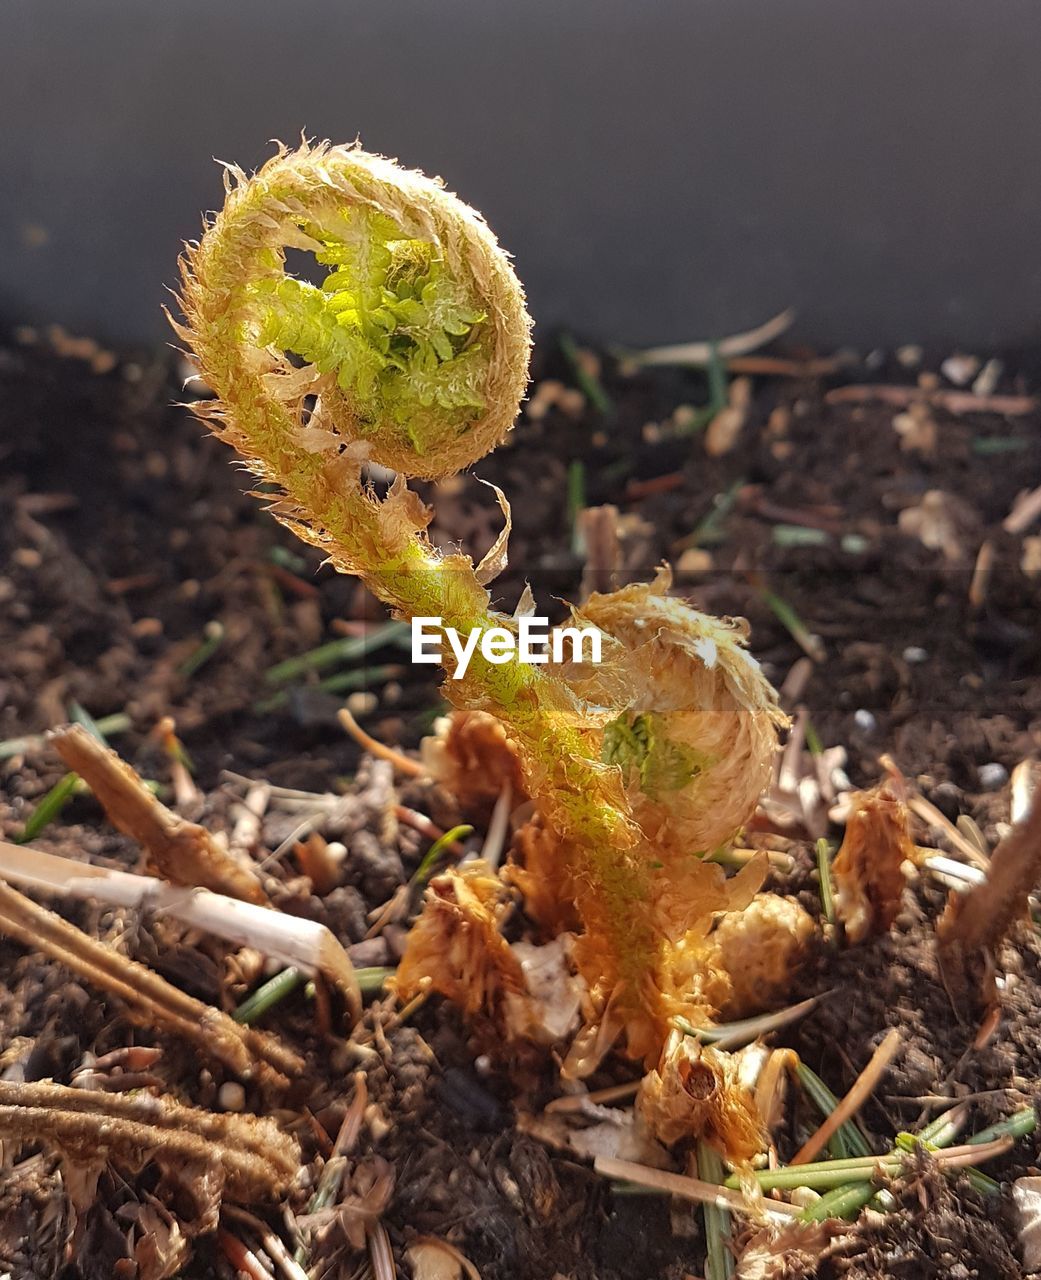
point(412, 353)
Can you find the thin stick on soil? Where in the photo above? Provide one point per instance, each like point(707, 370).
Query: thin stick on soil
point(411, 768)
point(150, 1000)
point(107, 726)
point(1025, 510)
point(861, 1090)
point(981, 574)
point(597, 1097)
point(703, 353)
point(847, 1140)
point(677, 1184)
point(956, 402)
point(244, 1260)
point(311, 946)
point(273, 1244)
point(929, 813)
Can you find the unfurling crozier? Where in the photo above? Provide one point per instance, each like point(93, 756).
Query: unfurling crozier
point(412, 354)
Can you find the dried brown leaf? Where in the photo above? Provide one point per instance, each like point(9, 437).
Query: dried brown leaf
point(786, 1251)
point(495, 559)
point(160, 1247)
point(456, 947)
point(868, 868)
point(471, 755)
point(541, 874)
point(761, 950)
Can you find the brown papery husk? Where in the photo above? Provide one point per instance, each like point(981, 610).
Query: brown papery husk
point(695, 1092)
point(868, 868)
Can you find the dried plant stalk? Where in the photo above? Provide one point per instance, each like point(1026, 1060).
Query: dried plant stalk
point(150, 999)
point(975, 924)
point(258, 1160)
point(183, 852)
point(308, 945)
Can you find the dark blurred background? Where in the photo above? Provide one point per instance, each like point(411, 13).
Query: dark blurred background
point(662, 170)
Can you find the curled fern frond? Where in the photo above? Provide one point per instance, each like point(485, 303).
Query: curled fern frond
point(406, 345)
point(416, 339)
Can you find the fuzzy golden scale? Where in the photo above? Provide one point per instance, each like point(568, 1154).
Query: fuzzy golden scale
point(470, 754)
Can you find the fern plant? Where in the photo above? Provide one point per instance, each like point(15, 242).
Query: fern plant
point(412, 353)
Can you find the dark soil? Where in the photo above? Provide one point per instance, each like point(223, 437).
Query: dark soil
point(125, 531)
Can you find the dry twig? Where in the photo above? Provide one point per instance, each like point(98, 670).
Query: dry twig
point(183, 852)
point(953, 401)
point(858, 1094)
point(1025, 510)
point(257, 1160)
point(974, 924)
point(678, 1184)
point(150, 999)
point(306, 944)
point(410, 768)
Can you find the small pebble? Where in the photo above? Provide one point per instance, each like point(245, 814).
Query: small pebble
point(335, 851)
point(854, 543)
point(864, 721)
point(362, 703)
point(910, 356)
point(987, 382)
point(916, 655)
point(231, 1096)
point(960, 369)
point(992, 776)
